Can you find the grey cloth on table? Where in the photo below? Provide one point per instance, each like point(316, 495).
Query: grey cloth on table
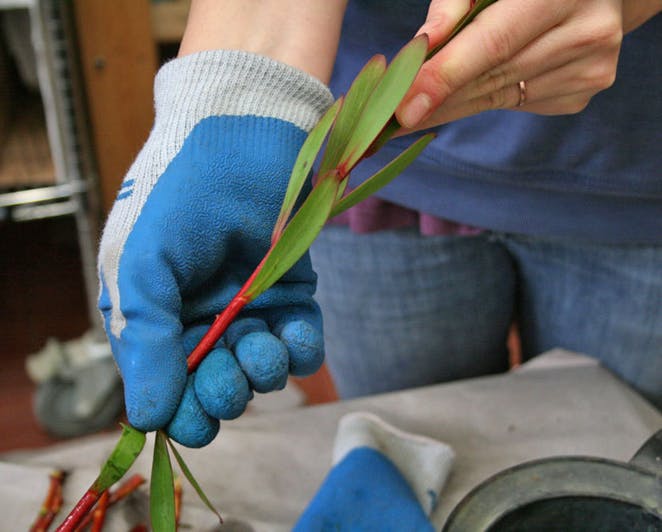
point(264, 468)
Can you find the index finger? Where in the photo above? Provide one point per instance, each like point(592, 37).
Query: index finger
point(497, 33)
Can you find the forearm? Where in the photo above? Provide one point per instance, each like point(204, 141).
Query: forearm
point(636, 12)
point(302, 34)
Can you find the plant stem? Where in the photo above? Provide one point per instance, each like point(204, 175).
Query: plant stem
point(217, 329)
point(122, 457)
point(87, 501)
point(99, 514)
point(52, 503)
point(126, 488)
point(178, 499)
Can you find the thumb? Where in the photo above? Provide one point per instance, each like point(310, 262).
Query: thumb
point(442, 17)
point(145, 333)
point(432, 84)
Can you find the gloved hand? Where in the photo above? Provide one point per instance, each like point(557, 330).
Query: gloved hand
point(192, 220)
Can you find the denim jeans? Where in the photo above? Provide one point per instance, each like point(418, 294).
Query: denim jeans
point(403, 310)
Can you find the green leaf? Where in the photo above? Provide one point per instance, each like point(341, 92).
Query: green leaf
point(383, 177)
point(303, 165)
point(297, 237)
point(383, 101)
point(126, 451)
point(355, 100)
point(192, 480)
point(162, 488)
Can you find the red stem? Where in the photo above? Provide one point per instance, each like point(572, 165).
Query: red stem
point(123, 490)
point(83, 506)
point(178, 500)
point(224, 319)
point(217, 329)
point(126, 488)
point(99, 515)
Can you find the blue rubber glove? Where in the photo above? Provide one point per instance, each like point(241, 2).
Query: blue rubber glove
point(192, 220)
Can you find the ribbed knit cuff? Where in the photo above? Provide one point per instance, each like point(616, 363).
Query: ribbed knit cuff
point(234, 82)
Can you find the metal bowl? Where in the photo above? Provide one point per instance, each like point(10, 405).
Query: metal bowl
point(573, 493)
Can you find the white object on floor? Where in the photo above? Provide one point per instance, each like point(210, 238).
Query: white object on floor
point(287, 398)
point(424, 462)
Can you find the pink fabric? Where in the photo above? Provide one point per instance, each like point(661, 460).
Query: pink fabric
point(374, 214)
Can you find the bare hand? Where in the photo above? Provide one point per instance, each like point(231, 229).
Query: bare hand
point(566, 51)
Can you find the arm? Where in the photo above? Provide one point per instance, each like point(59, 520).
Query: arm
point(636, 12)
point(565, 51)
point(195, 213)
point(302, 34)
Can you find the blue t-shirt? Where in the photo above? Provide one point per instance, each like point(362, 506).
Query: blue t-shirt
point(593, 175)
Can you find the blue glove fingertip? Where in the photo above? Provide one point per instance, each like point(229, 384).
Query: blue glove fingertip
point(192, 426)
point(264, 360)
point(240, 328)
point(305, 345)
point(221, 385)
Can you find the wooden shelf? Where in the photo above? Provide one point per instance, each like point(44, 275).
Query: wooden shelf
point(25, 155)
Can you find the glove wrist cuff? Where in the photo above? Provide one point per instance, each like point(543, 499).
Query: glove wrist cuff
point(234, 82)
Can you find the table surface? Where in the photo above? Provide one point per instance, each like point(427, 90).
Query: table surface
point(263, 469)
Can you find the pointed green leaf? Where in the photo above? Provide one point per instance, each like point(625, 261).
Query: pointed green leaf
point(383, 101)
point(162, 488)
point(355, 100)
point(192, 480)
point(297, 237)
point(383, 177)
point(303, 165)
point(126, 451)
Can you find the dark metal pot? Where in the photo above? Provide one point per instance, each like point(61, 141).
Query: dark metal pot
point(568, 494)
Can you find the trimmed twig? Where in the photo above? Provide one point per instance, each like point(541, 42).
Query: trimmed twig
point(99, 514)
point(178, 499)
point(126, 488)
point(52, 503)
